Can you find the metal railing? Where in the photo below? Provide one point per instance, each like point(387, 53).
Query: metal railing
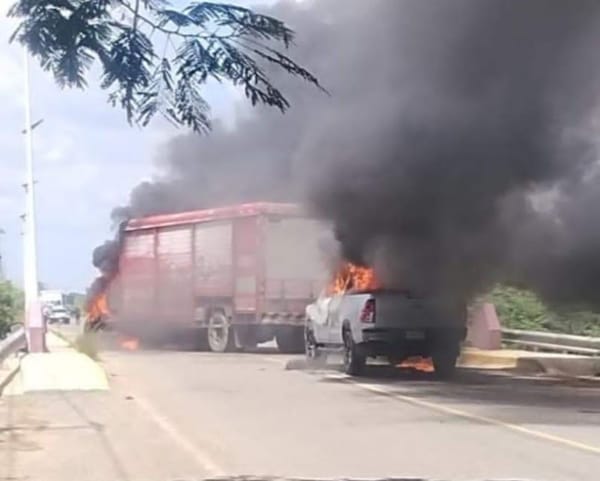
point(12, 343)
point(552, 342)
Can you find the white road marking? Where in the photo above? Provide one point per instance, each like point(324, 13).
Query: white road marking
point(211, 468)
point(470, 416)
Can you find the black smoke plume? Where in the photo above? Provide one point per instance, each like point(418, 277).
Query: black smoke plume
point(105, 258)
point(457, 148)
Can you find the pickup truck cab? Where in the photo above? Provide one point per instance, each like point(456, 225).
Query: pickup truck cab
point(386, 323)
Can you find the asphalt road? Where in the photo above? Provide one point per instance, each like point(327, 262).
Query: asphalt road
point(188, 415)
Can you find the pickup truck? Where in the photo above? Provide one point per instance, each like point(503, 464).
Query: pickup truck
point(58, 314)
point(386, 323)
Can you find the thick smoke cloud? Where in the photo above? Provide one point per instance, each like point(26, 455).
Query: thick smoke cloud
point(457, 147)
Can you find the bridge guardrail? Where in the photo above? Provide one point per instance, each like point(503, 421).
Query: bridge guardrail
point(553, 342)
point(12, 343)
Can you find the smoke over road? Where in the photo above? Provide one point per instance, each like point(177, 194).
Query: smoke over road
point(457, 148)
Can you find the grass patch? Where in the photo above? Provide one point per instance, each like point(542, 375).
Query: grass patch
point(87, 343)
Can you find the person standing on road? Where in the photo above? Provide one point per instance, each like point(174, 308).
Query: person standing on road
point(46, 314)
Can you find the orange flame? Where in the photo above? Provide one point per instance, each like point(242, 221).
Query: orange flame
point(130, 343)
point(353, 277)
point(98, 307)
point(418, 363)
point(97, 310)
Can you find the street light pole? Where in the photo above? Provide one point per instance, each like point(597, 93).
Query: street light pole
point(34, 321)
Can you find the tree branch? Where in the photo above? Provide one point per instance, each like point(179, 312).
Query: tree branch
point(177, 32)
point(136, 14)
point(215, 40)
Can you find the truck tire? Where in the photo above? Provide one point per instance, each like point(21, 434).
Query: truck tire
point(245, 337)
point(202, 340)
point(311, 348)
point(220, 333)
point(444, 361)
point(354, 359)
point(290, 339)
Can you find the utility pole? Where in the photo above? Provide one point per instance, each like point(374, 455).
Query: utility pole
point(34, 321)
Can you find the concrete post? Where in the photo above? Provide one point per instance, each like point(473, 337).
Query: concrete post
point(34, 321)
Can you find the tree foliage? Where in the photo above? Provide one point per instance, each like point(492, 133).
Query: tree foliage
point(11, 306)
point(156, 58)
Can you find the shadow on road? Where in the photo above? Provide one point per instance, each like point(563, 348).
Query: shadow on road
point(528, 399)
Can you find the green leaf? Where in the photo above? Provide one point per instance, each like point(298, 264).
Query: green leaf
point(179, 19)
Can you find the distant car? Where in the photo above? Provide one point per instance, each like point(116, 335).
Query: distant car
point(385, 323)
point(58, 314)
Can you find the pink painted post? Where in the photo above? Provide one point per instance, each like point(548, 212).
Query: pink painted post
point(484, 330)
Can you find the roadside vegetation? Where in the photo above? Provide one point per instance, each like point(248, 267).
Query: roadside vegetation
point(87, 343)
point(522, 309)
point(11, 306)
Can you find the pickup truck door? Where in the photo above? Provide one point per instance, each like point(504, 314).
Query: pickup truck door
point(334, 321)
point(319, 313)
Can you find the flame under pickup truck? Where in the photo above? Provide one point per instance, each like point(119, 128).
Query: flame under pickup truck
point(379, 322)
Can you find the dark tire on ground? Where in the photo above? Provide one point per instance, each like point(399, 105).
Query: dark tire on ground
point(202, 340)
point(354, 359)
point(245, 337)
point(444, 361)
point(311, 349)
point(290, 339)
point(220, 333)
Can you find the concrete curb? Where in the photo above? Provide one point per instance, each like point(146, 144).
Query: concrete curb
point(531, 362)
point(67, 370)
point(63, 368)
point(475, 358)
point(580, 367)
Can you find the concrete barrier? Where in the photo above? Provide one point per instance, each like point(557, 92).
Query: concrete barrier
point(484, 330)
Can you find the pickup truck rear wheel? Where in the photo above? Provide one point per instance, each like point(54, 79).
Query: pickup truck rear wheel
point(290, 339)
point(354, 359)
point(444, 361)
point(220, 333)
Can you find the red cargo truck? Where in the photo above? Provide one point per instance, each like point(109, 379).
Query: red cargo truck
point(230, 276)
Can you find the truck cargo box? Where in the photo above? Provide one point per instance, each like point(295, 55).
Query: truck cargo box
point(253, 266)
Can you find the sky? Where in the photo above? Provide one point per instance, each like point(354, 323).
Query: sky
point(78, 150)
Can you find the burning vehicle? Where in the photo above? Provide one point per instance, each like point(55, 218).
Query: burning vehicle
point(358, 314)
point(97, 312)
point(229, 277)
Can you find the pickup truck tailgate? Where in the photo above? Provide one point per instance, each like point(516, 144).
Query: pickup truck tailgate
point(397, 310)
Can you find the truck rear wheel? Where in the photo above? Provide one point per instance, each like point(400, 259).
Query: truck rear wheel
point(202, 340)
point(444, 361)
point(220, 333)
point(354, 359)
point(245, 337)
point(290, 339)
